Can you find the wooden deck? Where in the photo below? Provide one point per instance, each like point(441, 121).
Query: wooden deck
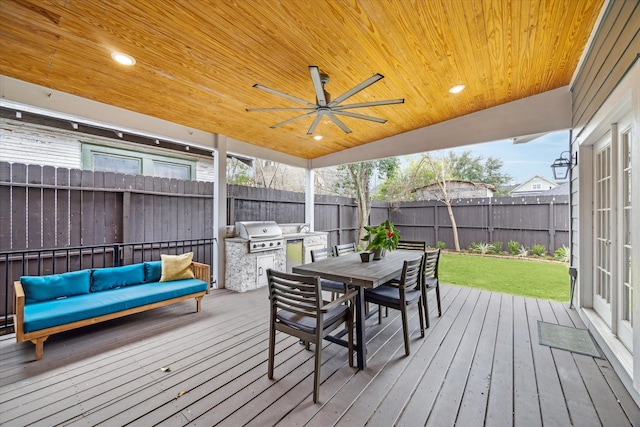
point(479, 364)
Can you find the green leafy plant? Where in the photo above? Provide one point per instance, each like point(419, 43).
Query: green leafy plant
point(384, 236)
point(513, 247)
point(482, 247)
point(497, 247)
point(522, 251)
point(538, 250)
point(562, 254)
point(441, 245)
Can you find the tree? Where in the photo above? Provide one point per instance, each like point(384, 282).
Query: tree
point(466, 167)
point(442, 172)
point(357, 183)
point(238, 172)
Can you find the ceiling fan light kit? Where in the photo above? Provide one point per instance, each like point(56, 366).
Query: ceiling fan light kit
point(324, 106)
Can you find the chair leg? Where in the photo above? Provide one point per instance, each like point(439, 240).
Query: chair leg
point(426, 309)
point(316, 373)
point(421, 315)
point(350, 336)
point(438, 298)
point(405, 330)
point(379, 314)
point(272, 347)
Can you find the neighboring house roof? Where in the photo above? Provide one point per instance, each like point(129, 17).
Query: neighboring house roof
point(456, 189)
point(461, 183)
point(560, 190)
point(534, 185)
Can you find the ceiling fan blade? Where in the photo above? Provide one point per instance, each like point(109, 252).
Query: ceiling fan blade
point(338, 122)
point(317, 85)
point(280, 109)
point(315, 123)
point(371, 80)
point(292, 120)
point(275, 92)
point(360, 116)
point(369, 104)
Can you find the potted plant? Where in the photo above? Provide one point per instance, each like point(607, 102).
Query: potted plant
point(381, 238)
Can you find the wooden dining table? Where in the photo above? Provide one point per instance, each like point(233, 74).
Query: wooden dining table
point(350, 269)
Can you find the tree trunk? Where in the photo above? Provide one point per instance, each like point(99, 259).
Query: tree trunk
point(361, 180)
point(454, 226)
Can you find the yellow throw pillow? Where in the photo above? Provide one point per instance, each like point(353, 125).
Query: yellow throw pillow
point(176, 267)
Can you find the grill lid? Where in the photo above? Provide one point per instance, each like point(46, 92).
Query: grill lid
point(252, 230)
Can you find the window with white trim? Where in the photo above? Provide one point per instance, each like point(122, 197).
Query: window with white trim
point(108, 159)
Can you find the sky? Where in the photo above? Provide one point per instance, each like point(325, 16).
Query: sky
point(522, 161)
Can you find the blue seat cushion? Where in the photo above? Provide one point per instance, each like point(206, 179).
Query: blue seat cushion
point(47, 314)
point(152, 271)
point(45, 288)
point(116, 277)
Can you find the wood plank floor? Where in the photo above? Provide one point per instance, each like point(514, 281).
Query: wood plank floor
point(479, 364)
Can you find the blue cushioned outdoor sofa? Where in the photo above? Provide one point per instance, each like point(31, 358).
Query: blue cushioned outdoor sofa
point(46, 305)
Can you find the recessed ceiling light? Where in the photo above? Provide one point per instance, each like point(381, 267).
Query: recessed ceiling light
point(123, 58)
point(457, 89)
point(317, 137)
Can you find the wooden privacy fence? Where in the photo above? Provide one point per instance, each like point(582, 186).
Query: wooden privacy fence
point(528, 220)
point(57, 209)
point(335, 215)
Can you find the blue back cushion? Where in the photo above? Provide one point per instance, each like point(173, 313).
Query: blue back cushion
point(44, 288)
point(115, 277)
point(152, 271)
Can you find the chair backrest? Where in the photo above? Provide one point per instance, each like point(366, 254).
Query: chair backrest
point(412, 272)
point(431, 259)
point(318, 254)
point(295, 293)
point(412, 245)
point(344, 248)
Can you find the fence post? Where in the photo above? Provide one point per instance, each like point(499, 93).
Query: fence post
point(490, 220)
point(116, 255)
point(552, 228)
point(435, 224)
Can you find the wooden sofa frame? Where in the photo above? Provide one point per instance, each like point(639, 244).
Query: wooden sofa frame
point(200, 271)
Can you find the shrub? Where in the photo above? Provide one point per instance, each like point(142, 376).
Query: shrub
point(441, 245)
point(497, 247)
point(562, 254)
point(481, 247)
point(538, 250)
point(513, 247)
point(522, 251)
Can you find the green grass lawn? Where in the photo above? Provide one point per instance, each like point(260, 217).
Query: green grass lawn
point(525, 277)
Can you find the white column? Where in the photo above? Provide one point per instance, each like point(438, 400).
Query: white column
point(220, 208)
point(309, 199)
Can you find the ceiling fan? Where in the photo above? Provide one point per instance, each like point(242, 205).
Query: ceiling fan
point(324, 106)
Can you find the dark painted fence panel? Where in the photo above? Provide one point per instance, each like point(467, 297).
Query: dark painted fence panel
point(43, 207)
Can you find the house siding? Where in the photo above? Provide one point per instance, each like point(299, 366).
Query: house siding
point(34, 144)
point(612, 54)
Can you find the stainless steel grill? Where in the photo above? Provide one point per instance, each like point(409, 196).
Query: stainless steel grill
point(262, 235)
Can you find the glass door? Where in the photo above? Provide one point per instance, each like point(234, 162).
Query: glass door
point(602, 229)
point(625, 319)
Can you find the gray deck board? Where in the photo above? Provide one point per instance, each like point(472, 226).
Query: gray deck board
point(476, 392)
point(478, 364)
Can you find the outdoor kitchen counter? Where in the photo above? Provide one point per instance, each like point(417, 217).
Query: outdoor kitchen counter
point(246, 271)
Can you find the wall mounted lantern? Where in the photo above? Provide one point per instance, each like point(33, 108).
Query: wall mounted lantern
point(563, 164)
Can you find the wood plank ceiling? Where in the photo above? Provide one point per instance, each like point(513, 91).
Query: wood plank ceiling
point(197, 61)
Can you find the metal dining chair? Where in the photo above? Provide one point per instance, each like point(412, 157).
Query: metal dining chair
point(344, 248)
point(400, 295)
point(328, 285)
point(297, 309)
